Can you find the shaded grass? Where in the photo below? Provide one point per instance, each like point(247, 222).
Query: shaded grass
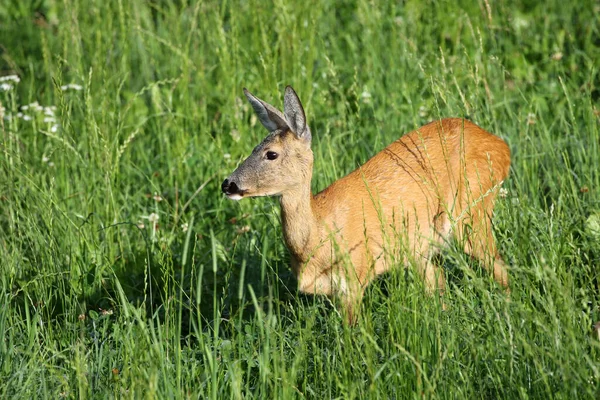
point(95, 305)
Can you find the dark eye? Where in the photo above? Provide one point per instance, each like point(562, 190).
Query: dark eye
point(271, 155)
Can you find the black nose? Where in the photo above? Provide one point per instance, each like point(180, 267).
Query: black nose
point(229, 187)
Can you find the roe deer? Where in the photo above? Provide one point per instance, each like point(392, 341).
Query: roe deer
point(403, 204)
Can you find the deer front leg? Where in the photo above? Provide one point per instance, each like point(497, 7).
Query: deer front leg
point(351, 303)
point(433, 279)
point(349, 295)
point(315, 283)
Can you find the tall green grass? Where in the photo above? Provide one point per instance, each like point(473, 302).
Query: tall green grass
point(125, 273)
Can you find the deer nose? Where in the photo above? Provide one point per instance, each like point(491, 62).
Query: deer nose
point(225, 186)
point(229, 187)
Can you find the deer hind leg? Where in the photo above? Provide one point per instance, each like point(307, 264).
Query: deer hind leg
point(475, 232)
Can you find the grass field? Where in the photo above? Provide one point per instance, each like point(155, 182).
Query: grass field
point(124, 272)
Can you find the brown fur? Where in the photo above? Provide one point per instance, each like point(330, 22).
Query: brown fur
point(401, 206)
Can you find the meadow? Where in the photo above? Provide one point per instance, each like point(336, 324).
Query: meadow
point(126, 273)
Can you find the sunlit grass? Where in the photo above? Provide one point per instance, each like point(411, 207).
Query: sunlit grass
point(125, 273)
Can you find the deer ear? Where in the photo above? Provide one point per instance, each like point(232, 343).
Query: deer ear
point(294, 114)
point(269, 116)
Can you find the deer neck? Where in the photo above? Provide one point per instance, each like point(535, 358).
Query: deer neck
point(299, 221)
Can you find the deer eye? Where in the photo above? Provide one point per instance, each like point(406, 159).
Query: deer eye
point(271, 155)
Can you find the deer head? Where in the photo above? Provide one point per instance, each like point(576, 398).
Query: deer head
point(283, 161)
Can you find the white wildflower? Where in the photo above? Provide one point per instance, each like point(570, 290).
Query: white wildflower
point(520, 22)
point(592, 226)
point(243, 229)
point(49, 111)
point(227, 156)
point(73, 86)
point(530, 119)
point(54, 128)
point(45, 159)
point(26, 117)
point(5, 87)
point(152, 218)
point(423, 112)
point(235, 134)
point(503, 193)
point(184, 227)
point(157, 198)
point(49, 120)
point(24, 108)
point(13, 78)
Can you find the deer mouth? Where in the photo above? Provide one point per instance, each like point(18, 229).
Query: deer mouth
point(235, 196)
